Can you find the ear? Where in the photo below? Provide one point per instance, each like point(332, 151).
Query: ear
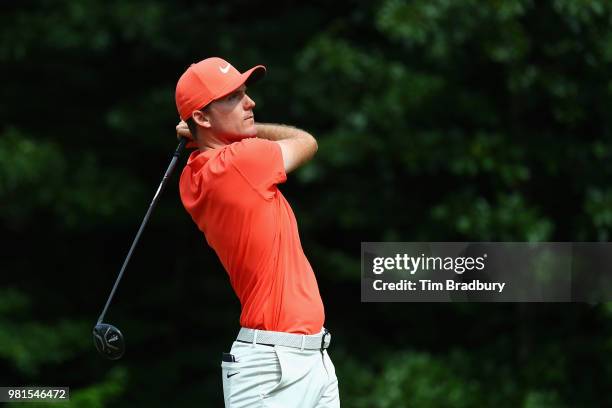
point(201, 119)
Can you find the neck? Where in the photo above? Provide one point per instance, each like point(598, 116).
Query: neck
point(208, 140)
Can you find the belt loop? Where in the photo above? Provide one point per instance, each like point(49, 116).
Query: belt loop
point(254, 337)
point(303, 341)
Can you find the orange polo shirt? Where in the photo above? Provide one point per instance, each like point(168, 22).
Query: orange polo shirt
point(232, 195)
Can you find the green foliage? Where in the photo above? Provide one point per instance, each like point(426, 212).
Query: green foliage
point(437, 120)
point(73, 190)
point(21, 340)
point(420, 380)
point(103, 394)
point(417, 379)
point(598, 205)
point(509, 217)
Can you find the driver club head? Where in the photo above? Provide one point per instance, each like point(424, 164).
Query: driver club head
point(108, 341)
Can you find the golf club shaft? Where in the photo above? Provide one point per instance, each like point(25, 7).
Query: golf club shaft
point(161, 187)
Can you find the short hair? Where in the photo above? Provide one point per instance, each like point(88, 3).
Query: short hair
point(193, 128)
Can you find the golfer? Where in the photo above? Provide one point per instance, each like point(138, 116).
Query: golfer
point(229, 186)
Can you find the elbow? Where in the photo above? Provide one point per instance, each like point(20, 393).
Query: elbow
point(314, 144)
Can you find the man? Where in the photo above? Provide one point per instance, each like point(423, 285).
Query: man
point(230, 188)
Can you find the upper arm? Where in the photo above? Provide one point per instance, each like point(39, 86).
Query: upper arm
point(297, 151)
point(260, 162)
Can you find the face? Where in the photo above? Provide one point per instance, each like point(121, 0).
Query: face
point(231, 117)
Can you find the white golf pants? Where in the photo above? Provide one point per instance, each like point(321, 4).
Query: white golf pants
point(279, 377)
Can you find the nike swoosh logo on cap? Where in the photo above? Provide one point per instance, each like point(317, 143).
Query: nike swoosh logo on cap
point(232, 374)
point(225, 70)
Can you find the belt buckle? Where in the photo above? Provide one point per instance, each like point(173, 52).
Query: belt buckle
point(325, 339)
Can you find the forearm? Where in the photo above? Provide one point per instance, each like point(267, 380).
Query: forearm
point(297, 146)
point(275, 132)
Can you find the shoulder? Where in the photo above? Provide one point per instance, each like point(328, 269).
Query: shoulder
point(253, 146)
point(254, 153)
point(259, 161)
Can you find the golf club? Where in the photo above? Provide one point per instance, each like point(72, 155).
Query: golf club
point(107, 338)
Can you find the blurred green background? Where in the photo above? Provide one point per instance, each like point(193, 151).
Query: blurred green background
point(437, 120)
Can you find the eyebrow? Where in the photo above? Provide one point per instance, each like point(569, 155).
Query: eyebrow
point(237, 91)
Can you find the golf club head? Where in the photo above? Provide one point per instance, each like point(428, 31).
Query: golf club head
point(109, 341)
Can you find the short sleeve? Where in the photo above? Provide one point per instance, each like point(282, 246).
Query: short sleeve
point(260, 162)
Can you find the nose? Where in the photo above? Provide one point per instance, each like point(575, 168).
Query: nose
point(248, 102)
